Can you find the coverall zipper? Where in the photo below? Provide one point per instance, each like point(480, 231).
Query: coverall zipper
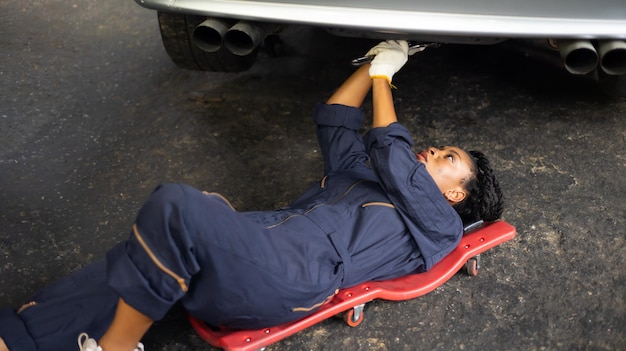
point(156, 261)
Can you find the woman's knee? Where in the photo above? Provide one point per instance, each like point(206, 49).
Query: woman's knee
point(163, 200)
point(164, 210)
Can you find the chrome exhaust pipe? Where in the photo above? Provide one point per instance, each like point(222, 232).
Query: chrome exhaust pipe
point(242, 38)
point(612, 56)
point(208, 35)
point(579, 56)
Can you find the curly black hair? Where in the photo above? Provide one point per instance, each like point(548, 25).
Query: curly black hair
point(484, 200)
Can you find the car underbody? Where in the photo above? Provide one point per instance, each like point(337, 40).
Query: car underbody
point(226, 35)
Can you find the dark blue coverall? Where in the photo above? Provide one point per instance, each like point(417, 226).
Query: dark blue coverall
point(376, 214)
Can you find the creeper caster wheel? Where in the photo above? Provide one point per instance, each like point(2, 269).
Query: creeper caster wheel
point(354, 317)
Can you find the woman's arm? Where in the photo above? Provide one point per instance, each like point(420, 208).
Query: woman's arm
point(389, 57)
point(354, 90)
point(384, 110)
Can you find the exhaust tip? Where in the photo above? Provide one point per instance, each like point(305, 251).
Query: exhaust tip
point(244, 37)
point(208, 35)
point(239, 42)
point(613, 56)
point(579, 56)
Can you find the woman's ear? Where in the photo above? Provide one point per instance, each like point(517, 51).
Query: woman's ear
point(455, 195)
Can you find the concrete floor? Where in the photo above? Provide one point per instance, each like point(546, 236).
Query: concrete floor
point(93, 115)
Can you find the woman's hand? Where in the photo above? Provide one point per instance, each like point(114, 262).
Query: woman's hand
point(389, 57)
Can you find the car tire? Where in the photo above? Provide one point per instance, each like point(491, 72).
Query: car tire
point(176, 34)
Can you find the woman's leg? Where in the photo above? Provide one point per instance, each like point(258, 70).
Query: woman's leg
point(193, 247)
point(126, 330)
point(152, 270)
point(3, 346)
point(141, 278)
point(58, 313)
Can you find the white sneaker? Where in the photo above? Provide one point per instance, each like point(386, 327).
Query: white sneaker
point(88, 344)
point(85, 343)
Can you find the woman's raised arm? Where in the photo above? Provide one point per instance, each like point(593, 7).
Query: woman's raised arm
point(384, 110)
point(354, 89)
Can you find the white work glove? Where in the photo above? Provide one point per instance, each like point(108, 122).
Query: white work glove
point(389, 57)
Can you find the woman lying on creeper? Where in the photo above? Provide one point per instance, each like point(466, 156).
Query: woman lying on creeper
point(380, 211)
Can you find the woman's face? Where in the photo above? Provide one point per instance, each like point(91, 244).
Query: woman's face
point(449, 166)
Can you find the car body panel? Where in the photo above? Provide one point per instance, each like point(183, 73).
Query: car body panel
point(601, 19)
